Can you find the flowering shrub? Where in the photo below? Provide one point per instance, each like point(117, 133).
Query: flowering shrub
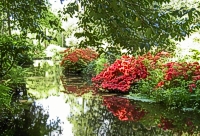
point(76, 59)
point(179, 81)
point(96, 66)
point(126, 71)
point(121, 74)
point(154, 64)
point(172, 82)
point(123, 109)
point(177, 72)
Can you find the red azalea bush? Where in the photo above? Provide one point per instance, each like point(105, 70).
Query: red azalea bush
point(177, 72)
point(123, 109)
point(126, 71)
point(171, 82)
point(77, 59)
point(121, 74)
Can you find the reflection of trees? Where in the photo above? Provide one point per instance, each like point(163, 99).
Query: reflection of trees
point(27, 120)
point(44, 81)
point(174, 120)
point(90, 118)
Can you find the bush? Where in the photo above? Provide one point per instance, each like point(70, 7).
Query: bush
point(15, 50)
point(174, 83)
point(181, 80)
point(5, 97)
point(120, 75)
point(75, 60)
point(96, 66)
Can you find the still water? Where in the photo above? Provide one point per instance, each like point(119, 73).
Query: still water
point(51, 110)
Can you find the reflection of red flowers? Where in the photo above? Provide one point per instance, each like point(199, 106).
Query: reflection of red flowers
point(166, 123)
point(123, 109)
point(77, 90)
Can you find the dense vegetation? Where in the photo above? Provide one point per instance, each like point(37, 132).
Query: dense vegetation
point(126, 47)
point(134, 24)
point(29, 26)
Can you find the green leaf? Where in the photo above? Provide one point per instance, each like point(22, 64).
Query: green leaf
point(148, 32)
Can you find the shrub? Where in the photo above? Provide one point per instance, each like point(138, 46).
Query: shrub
point(127, 71)
point(181, 80)
point(172, 82)
point(96, 66)
point(75, 60)
point(120, 75)
point(5, 97)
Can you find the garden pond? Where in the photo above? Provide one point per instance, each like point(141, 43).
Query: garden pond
point(48, 109)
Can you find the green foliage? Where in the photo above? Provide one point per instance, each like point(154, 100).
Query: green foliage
point(38, 51)
point(13, 51)
point(196, 55)
point(89, 70)
point(100, 63)
point(5, 97)
point(28, 16)
point(174, 83)
point(146, 86)
point(134, 24)
point(16, 75)
point(96, 66)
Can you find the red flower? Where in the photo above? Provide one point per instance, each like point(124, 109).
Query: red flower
point(160, 84)
point(191, 87)
point(121, 74)
point(77, 58)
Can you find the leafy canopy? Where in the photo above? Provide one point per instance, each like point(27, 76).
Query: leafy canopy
point(27, 16)
point(133, 24)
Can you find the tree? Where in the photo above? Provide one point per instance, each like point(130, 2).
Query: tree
point(26, 16)
point(133, 24)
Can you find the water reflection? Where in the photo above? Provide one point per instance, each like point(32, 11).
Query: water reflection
point(58, 109)
point(113, 115)
point(123, 109)
point(89, 115)
point(27, 120)
point(44, 80)
point(103, 118)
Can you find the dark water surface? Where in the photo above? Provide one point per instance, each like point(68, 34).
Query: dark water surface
point(49, 112)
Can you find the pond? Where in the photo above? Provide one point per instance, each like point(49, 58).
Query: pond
point(51, 111)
